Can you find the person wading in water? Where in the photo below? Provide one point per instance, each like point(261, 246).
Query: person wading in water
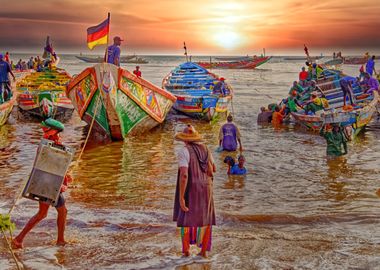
point(194, 205)
point(336, 140)
point(229, 136)
point(51, 130)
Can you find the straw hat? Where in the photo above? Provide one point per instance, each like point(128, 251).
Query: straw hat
point(189, 134)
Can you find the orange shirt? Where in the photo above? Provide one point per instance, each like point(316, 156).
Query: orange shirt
point(277, 118)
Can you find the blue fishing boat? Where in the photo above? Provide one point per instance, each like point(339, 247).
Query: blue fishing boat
point(197, 91)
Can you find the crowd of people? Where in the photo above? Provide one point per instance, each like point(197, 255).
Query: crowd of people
point(306, 95)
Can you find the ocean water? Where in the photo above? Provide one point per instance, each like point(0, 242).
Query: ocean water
point(294, 209)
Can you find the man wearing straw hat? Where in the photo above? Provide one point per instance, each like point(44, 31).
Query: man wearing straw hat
point(193, 205)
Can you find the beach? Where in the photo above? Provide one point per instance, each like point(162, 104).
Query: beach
point(293, 210)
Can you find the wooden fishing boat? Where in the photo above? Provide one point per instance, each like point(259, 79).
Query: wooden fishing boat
point(302, 58)
point(193, 86)
point(333, 62)
point(233, 58)
point(355, 60)
point(251, 63)
point(121, 103)
point(42, 94)
point(6, 109)
point(127, 59)
point(353, 120)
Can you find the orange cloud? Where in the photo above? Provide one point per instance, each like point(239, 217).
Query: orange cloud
point(208, 26)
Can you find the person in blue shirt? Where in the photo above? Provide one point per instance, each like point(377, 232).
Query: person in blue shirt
point(237, 169)
point(5, 68)
point(113, 52)
point(370, 66)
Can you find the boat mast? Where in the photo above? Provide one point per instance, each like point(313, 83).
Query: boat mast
point(184, 46)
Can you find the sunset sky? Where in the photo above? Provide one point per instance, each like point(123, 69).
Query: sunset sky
point(207, 26)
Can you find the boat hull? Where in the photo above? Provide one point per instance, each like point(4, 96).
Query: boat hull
point(357, 119)
point(192, 85)
point(6, 109)
point(122, 104)
point(244, 64)
point(202, 108)
point(41, 94)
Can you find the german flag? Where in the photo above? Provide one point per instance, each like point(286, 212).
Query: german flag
point(98, 34)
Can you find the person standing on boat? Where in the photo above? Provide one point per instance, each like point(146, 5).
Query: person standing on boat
point(229, 136)
point(51, 129)
point(347, 91)
point(5, 86)
point(370, 66)
point(193, 204)
point(137, 72)
point(113, 52)
point(303, 76)
point(336, 140)
point(220, 88)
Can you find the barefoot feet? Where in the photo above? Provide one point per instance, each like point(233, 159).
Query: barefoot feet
point(17, 244)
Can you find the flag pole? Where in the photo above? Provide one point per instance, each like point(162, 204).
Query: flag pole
point(108, 36)
point(184, 46)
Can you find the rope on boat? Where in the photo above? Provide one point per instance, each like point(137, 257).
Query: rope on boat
point(90, 129)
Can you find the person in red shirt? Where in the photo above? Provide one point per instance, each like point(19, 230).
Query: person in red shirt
point(137, 72)
point(6, 58)
point(51, 129)
point(303, 76)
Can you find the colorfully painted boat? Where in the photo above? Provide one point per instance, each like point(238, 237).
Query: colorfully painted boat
point(233, 58)
point(193, 86)
point(127, 59)
point(6, 108)
point(42, 94)
point(355, 119)
point(251, 63)
point(121, 103)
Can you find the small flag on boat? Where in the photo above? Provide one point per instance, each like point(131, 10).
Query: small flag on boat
point(98, 34)
point(184, 46)
point(306, 50)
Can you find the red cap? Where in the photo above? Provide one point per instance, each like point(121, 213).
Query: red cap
point(221, 79)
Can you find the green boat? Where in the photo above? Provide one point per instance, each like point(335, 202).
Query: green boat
point(122, 103)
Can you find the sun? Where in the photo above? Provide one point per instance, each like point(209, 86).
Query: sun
point(227, 39)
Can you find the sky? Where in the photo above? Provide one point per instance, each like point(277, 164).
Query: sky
point(217, 27)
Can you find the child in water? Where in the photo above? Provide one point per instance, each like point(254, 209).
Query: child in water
point(237, 169)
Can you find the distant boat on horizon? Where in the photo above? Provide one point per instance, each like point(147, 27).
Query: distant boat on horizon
point(127, 59)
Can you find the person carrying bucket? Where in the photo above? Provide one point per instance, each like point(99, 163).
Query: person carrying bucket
point(51, 129)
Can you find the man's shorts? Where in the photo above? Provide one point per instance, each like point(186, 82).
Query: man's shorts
point(60, 202)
